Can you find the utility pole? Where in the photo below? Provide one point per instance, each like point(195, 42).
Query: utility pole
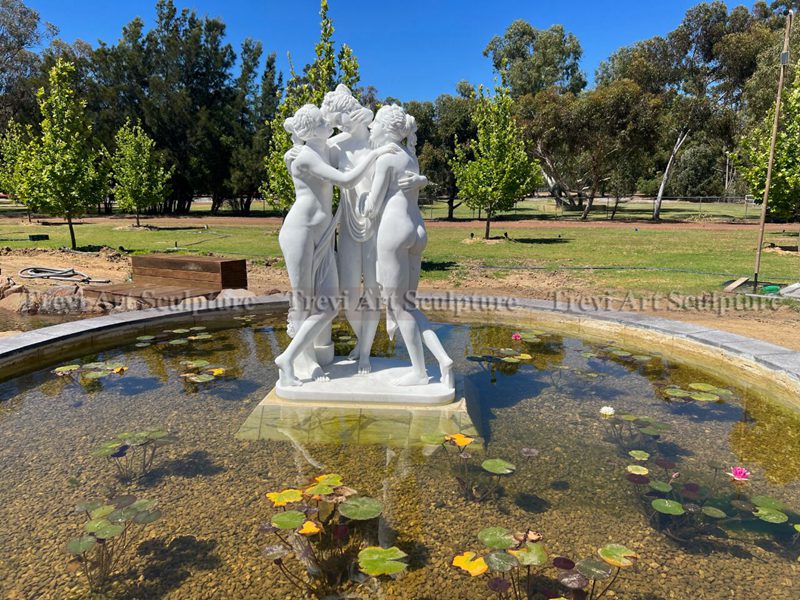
point(784, 65)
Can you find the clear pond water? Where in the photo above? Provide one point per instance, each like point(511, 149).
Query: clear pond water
point(537, 404)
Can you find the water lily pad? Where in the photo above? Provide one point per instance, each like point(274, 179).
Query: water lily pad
point(592, 568)
point(498, 466)
point(360, 509)
point(668, 507)
point(81, 545)
point(770, 515)
point(573, 580)
point(275, 552)
point(283, 497)
point(501, 562)
point(88, 506)
point(146, 338)
point(677, 393)
point(66, 369)
point(471, 563)
point(102, 511)
point(178, 342)
point(497, 538)
point(532, 554)
point(639, 454)
point(95, 525)
point(743, 505)
point(510, 360)
point(198, 328)
point(195, 364)
point(704, 397)
point(713, 512)
point(376, 561)
point(180, 331)
point(143, 344)
point(290, 519)
point(147, 516)
point(94, 365)
point(618, 555)
point(200, 337)
point(637, 469)
point(92, 375)
point(200, 378)
point(143, 504)
point(108, 531)
point(767, 502)
point(702, 387)
point(563, 563)
point(661, 486)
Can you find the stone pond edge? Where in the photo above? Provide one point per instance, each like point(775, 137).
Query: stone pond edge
point(33, 349)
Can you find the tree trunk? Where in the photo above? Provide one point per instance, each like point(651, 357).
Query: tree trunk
point(675, 149)
point(488, 226)
point(616, 205)
point(71, 232)
point(137, 217)
point(587, 209)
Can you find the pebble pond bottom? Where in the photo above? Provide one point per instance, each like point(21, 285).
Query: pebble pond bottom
point(653, 474)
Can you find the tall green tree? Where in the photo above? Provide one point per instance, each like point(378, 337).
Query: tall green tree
point(60, 172)
point(753, 156)
point(319, 77)
point(12, 144)
point(140, 179)
point(493, 172)
point(531, 60)
point(21, 30)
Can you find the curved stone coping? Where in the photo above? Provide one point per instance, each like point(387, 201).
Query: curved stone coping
point(37, 348)
point(33, 349)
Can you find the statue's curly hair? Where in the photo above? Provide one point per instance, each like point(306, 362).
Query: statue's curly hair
point(338, 103)
point(397, 121)
point(307, 118)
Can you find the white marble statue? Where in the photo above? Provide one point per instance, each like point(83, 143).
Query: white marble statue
point(307, 238)
point(401, 238)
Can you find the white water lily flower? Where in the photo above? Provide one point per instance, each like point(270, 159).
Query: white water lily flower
point(607, 412)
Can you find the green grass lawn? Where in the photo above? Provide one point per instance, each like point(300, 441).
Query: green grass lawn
point(708, 257)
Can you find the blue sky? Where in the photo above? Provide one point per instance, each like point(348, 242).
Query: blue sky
point(409, 49)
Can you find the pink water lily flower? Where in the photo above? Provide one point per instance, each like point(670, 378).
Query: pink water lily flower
point(516, 336)
point(739, 474)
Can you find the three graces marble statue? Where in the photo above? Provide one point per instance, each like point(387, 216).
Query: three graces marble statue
point(374, 264)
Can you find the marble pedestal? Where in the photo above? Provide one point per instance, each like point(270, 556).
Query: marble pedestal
point(303, 422)
point(347, 386)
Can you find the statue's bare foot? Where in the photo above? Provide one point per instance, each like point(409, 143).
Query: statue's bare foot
point(317, 374)
point(412, 378)
point(286, 372)
point(364, 366)
point(354, 353)
point(446, 367)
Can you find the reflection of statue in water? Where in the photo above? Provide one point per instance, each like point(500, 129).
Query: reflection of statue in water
point(401, 238)
point(306, 239)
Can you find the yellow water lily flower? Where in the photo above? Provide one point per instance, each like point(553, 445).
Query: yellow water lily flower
point(217, 372)
point(459, 439)
point(468, 562)
point(282, 498)
point(309, 528)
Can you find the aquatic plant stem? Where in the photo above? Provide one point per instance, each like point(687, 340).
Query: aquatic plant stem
point(610, 583)
point(294, 579)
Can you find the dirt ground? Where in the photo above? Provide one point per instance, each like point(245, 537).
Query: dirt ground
point(767, 324)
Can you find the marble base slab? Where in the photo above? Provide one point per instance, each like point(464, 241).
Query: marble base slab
point(346, 385)
point(348, 423)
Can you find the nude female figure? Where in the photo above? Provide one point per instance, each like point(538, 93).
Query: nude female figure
point(356, 250)
point(306, 238)
point(401, 239)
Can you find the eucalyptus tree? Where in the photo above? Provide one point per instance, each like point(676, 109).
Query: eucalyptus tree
point(531, 60)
